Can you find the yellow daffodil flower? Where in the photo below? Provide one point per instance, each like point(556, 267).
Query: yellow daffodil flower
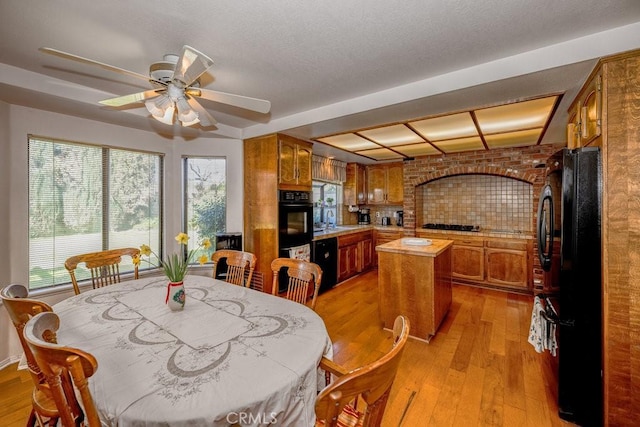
point(175, 265)
point(182, 238)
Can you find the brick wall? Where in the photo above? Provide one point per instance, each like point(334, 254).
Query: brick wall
point(518, 163)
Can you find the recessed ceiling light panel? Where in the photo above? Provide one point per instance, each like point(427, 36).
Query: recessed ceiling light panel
point(461, 144)
point(446, 127)
point(517, 116)
point(380, 154)
point(415, 150)
point(349, 141)
point(392, 135)
point(514, 139)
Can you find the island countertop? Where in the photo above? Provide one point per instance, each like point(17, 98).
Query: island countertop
point(412, 246)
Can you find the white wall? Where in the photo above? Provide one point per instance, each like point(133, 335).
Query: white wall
point(9, 344)
point(18, 122)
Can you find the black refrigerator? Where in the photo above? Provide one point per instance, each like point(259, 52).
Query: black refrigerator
point(580, 398)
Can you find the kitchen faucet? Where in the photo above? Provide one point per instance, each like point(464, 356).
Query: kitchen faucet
point(330, 215)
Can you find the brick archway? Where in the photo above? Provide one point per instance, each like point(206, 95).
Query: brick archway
point(528, 177)
point(520, 163)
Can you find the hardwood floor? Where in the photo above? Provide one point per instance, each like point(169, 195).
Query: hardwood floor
point(478, 370)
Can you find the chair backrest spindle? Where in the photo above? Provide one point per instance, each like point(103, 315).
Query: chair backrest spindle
point(104, 266)
point(240, 266)
point(303, 279)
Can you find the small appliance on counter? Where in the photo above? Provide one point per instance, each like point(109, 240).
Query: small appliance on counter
point(231, 241)
point(386, 220)
point(364, 216)
point(399, 218)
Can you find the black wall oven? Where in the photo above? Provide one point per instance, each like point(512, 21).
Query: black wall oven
point(295, 220)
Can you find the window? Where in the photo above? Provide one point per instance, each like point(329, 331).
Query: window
point(205, 192)
point(87, 198)
point(326, 196)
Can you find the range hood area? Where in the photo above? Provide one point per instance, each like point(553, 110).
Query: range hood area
point(476, 202)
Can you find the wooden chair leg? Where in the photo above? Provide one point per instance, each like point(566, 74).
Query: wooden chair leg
point(33, 419)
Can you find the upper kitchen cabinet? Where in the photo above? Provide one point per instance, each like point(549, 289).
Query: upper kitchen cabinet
point(295, 164)
point(385, 184)
point(573, 127)
point(585, 114)
point(354, 188)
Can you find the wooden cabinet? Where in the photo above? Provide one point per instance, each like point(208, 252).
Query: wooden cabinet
point(573, 128)
point(385, 185)
point(354, 254)
point(383, 236)
point(507, 263)
point(591, 111)
point(467, 259)
point(347, 262)
point(620, 143)
point(354, 188)
point(585, 114)
point(490, 261)
point(271, 162)
point(294, 164)
point(261, 208)
point(366, 250)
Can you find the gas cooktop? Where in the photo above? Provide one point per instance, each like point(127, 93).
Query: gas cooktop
point(455, 227)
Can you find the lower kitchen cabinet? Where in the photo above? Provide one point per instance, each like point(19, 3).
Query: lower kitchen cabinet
point(347, 261)
point(354, 254)
point(383, 236)
point(467, 262)
point(490, 261)
point(509, 263)
point(506, 267)
point(366, 249)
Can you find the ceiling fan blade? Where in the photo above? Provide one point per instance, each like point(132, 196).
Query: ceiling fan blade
point(253, 104)
point(132, 98)
point(205, 118)
point(191, 65)
point(102, 65)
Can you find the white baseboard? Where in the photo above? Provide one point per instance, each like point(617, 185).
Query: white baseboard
point(8, 361)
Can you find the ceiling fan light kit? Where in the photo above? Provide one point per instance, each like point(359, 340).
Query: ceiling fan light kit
point(177, 85)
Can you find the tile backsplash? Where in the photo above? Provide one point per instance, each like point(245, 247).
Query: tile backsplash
point(493, 202)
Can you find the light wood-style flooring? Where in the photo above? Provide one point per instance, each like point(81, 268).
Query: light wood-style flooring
point(479, 370)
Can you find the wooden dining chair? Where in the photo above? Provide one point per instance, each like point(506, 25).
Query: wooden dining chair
point(104, 266)
point(240, 266)
point(303, 279)
point(21, 309)
point(336, 404)
point(65, 369)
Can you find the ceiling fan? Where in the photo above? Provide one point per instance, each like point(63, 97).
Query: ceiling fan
point(176, 87)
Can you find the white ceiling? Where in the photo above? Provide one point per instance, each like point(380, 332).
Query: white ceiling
point(326, 66)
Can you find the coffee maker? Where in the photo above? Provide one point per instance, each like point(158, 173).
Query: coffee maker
point(364, 216)
point(399, 218)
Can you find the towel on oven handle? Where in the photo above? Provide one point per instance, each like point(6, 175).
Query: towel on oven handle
point(302, 252)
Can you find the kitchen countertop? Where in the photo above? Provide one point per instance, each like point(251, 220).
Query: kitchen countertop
point(402, 246)
point(350, 229)
point(482, 233)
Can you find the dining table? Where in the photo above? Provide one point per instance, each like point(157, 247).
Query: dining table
point(232, 356)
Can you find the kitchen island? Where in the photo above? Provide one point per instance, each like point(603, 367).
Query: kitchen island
point(414, 279)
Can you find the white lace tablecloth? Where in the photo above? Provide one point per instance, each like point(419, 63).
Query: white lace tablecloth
point(233, 355)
